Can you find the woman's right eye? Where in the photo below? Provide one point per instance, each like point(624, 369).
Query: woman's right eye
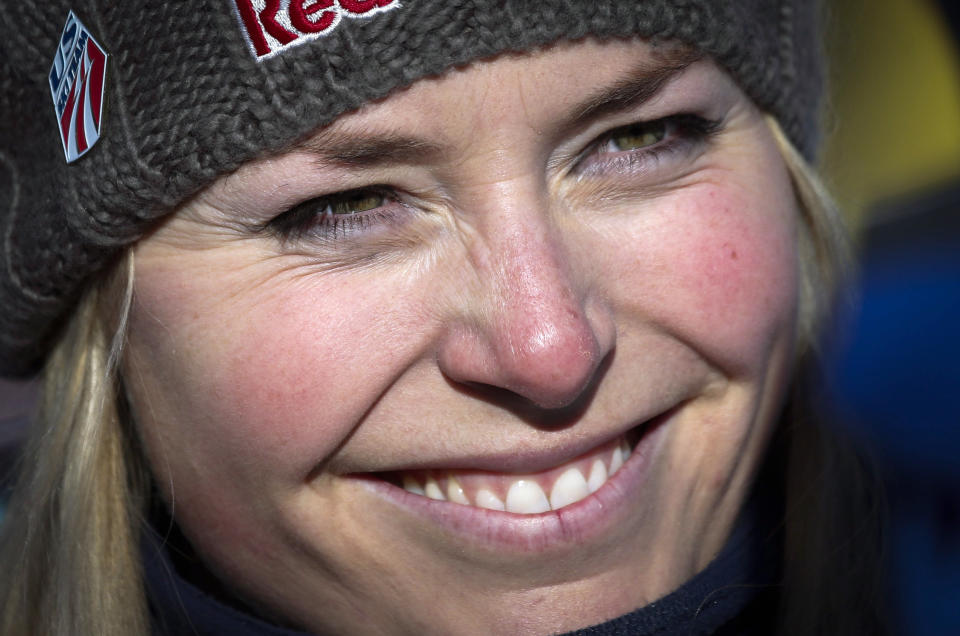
point(353, 202)
point(334, 214)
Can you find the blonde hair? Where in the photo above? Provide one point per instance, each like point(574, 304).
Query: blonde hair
point(835, 509)
point(70, 542)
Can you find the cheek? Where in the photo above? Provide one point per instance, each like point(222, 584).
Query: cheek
point(265, 379)
point(718, 269)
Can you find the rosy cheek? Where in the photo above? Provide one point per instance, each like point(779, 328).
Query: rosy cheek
point(267, 377)
point(278, 392)
point(719, 272)
point(743, 275)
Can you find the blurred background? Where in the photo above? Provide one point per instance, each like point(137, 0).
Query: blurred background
point(893, 161)
point(892, 158)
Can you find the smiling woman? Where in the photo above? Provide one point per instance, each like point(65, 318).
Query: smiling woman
point(512, 346)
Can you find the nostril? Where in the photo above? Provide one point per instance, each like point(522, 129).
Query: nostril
point(548, 356)
point(546, 415)
point(535, 329)
point(553, 362)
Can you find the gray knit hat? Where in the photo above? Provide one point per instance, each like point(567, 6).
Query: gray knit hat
point(194, 88)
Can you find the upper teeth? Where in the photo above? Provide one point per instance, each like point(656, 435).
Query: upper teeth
point(569, 488)
point(523, 495)
point(598, 475)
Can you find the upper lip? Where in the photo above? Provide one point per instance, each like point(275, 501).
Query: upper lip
point(521, 460)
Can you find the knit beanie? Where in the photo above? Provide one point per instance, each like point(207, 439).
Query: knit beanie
point(112, 113)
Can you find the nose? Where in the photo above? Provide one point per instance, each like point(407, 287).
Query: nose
point(533, 326)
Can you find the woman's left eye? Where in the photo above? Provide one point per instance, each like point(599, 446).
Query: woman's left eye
point(637, 136)
point(641, 144)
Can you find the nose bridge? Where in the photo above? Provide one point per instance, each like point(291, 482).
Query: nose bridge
point(539, 308)
point(531, 330)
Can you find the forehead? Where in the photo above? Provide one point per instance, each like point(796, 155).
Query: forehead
point(563, 68)
point(552, 92)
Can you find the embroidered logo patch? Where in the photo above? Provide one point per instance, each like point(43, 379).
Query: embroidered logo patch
point(76, 84)
point(274, 25)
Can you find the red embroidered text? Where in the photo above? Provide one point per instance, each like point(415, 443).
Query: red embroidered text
point(274, 25)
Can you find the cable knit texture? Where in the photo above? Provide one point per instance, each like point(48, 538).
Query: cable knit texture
point(186, 101)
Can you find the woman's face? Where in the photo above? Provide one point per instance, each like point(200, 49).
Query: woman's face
point(480, 288)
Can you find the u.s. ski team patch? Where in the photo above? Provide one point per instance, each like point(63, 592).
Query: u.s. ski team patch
point(76, 85)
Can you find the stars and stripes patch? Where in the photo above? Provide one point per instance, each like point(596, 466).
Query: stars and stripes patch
point(77, 87)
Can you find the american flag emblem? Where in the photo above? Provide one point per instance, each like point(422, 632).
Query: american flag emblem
point(76, 85)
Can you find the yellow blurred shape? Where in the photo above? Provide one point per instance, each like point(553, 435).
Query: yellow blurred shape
point(895, 80)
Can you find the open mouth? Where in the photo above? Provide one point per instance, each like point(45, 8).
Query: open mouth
point(552, 489)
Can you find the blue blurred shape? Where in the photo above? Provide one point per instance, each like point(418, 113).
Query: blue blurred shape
point(900, 377)
point(895, 382)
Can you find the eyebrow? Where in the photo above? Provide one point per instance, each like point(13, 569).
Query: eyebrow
point(368, 150)
point(350, 149)
point(640, 85)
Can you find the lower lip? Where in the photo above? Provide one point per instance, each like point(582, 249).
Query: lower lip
point(580, 522)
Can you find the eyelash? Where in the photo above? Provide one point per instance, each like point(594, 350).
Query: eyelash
point(314, 218)
point(683, 133)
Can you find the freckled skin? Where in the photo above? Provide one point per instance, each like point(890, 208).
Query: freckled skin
point(263, 376)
